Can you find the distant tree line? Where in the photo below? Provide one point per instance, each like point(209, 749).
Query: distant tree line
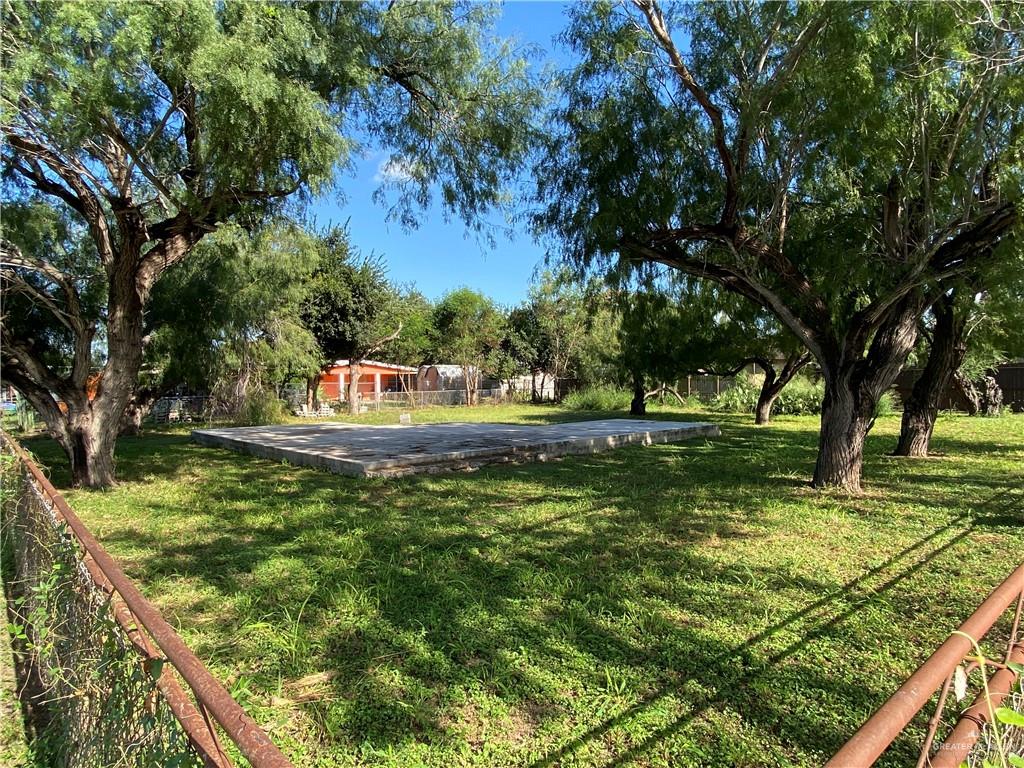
point(251, 312)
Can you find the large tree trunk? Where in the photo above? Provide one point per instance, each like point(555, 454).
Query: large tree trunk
point(853, 388)
point(638, 406)
point(846, 418)
point(131, 419)
point(139, 406)
point(87, 419)
point(992, 396)
point(94, 425)
point(971, 399)
point(765, 401)
point(91, 445)
point(86, 428)
point(945, 356)
point(353, 387)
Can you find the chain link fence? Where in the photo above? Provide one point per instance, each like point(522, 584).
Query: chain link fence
point(188, 409)
point(90, 700)
point(95, 687)
point(426, 398)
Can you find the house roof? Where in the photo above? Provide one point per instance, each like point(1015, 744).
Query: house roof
point(375, 364)
point(446, 370)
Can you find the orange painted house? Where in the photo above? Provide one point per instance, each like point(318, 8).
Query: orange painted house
point(374, 378)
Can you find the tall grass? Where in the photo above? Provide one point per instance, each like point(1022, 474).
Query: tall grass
point(261, 407)
point(599, 398)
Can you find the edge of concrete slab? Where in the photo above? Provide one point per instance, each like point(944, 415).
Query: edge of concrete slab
point(295, 456)
point(461, 459)
point(540, 451)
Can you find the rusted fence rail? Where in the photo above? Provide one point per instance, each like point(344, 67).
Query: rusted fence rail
point(875, 736)
point(101, 670)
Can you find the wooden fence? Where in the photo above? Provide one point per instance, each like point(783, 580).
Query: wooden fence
point(1009, 377)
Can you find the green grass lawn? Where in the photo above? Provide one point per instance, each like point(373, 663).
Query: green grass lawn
point(690, 604)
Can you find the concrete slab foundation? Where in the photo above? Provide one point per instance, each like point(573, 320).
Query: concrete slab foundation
point(363, 450)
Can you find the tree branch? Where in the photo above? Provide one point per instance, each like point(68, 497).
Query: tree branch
point(656, 23)
point(137, 159)
point(17, 356)
point(665, 250)
point(379, 344)
point(38, 396)
point(80, 196)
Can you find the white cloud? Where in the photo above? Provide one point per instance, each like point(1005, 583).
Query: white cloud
point(395, 170)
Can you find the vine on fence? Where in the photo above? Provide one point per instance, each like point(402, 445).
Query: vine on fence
point(90, 699)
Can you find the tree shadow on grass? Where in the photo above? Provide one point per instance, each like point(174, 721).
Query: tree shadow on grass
point(739, 676)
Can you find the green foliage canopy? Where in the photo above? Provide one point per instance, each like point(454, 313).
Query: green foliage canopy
point(351, 307)
point(817, 117)
point(230, 316)
point(468, 329)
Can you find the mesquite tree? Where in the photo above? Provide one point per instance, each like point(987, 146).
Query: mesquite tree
point(673, 326)
point(969, 328)
point(351, 308)
point(835, 163)
point(145, 126)
point(467, 329)
point(228, 319)
point(741, 333)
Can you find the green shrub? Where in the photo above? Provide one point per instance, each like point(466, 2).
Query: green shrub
point(801, 397)
point(692, 403)
point(886, 405)
point(601, 398)
point(261, 408)
point(741, 397)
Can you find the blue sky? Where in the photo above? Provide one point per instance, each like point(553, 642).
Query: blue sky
point(439, 256)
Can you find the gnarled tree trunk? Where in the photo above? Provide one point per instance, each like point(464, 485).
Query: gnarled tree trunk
point(131, 419)
point(638, 406)
point(92, 450)
point(971, 399)
point(83, 411)
point(774, 383)
point(139, 406)
point(853, 387)
point(846, 418)
point(765, 401)
point(992, 396)
point(945, 356)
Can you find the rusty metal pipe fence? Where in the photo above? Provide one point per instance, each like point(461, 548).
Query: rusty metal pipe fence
point(937, 674)
point(104, 679)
